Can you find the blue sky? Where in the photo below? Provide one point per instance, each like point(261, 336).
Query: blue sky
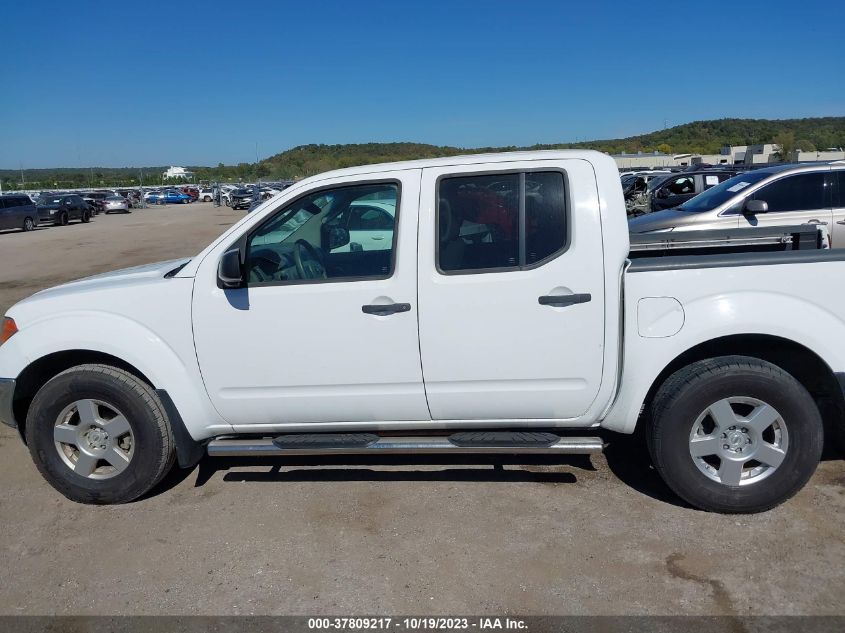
point(197, 83)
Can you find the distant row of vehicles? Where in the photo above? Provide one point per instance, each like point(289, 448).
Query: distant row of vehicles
point(241, 197)
point(20, 211)
point(716, 199)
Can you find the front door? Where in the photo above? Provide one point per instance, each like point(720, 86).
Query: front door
point(793, 200)
point(320, 333)
point(674, 192)
point(511, 291)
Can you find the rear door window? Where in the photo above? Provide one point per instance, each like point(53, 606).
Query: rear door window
point(489, 223)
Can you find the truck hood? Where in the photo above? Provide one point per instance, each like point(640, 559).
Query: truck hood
point(662, 221)
point(118, 278)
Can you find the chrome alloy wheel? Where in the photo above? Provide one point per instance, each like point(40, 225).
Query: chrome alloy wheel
point(94, 439)
point(738, 441)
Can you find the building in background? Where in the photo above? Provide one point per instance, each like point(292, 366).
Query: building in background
point(761, 154)
point(178, 172)
point(832, 153)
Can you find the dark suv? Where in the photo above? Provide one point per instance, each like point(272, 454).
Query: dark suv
point(672, 191)
point(18, 212)
point(62, 208)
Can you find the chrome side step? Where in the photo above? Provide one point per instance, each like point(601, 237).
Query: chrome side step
point(235, 447)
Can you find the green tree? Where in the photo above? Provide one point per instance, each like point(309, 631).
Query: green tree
point(785, 141)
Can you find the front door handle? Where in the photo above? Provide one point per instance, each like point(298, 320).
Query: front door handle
point(819, 222)
point(561, 301)
point(386, 309)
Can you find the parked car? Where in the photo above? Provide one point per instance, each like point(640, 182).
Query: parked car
point(673, 190)
point(191, 191)
point(226, 194)
point(370, 225)
point(206, 195)
point(171, 196)
point(240, 199)
point(276, 341)
point(96, 200)
point(18, 211)
point(116, 203)
point(772, 196)
point(61, 209)
point(133, 196)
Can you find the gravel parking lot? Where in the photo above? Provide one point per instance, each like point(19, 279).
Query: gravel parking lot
point(572, 535)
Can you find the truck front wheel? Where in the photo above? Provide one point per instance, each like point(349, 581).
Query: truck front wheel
point(734, 434)
point(99, 435)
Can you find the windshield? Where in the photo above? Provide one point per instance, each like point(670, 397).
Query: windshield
point(51, 200)
point(721, 193)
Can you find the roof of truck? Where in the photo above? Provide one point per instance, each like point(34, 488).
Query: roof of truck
point(469, 159)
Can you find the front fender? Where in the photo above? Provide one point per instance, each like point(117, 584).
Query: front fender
point(117, 335)
point(715, 316)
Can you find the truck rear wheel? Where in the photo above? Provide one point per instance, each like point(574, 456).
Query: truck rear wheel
point(734, 434)
point(99, 435)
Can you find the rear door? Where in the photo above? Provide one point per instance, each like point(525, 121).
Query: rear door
point(796, 199)
point(511, 290)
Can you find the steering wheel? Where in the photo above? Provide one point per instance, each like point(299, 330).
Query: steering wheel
point(315, 268)
point(265, 265)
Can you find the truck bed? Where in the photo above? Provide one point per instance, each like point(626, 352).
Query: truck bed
point(728, 241)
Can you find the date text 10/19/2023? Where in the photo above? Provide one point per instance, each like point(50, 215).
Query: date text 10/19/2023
point(416, 624)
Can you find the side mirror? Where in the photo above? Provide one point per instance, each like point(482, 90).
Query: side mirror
point(229, 273)
point(753, 207)
point(662, 193)
point(336, 237)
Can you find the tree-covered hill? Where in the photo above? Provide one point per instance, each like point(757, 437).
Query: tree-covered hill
point(705, 137)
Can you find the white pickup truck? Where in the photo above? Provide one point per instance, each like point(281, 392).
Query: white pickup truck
point(506, 314)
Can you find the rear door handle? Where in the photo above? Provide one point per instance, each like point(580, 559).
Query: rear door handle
point(840, 221)
point(561, 301)
point(386, 309)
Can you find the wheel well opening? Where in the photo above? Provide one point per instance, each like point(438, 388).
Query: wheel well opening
point(802, 363)
point(38, 373)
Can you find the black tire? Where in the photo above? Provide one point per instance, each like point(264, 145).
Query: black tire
point(692, 391)
point(154, 450)
point(63, 219)
point(28, 225)
point(86, 217)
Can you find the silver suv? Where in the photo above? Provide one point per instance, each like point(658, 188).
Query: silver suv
point(783, 195)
